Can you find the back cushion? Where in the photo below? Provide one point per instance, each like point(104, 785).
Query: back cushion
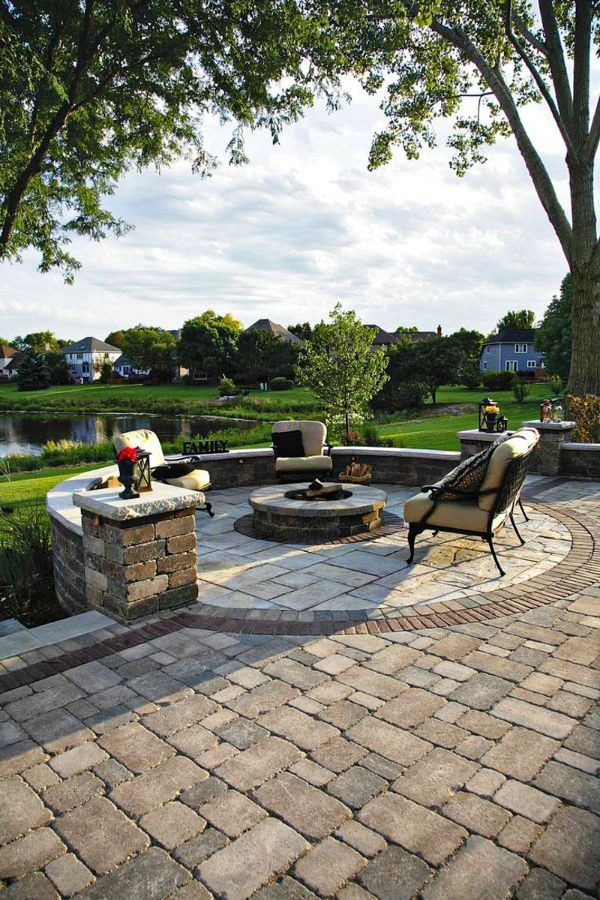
point(313, 434)
point(503, 453)
point(288, 443)
point(145, 440)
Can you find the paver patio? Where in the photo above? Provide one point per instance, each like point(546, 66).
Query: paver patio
point(435, 736)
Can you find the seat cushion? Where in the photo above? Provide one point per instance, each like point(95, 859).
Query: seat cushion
point(304, 464)
point(517, 445)
point(459, 514)
point(195, 481)
point(144, 439)
point(288, 443)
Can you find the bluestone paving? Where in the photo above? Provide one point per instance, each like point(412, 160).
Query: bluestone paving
point(453, 758)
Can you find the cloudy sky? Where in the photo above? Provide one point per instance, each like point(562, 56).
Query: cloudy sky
point(303, 226)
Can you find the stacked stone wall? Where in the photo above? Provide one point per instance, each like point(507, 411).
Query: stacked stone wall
point(69, 567)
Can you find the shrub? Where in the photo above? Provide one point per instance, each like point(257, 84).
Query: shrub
point(280, 383)
point(497, 381)
point(586, 413)
point(226, 387)
point(401, 395)
point(26, 569)
point(556, 385)
point(372, 438)
point(520, 389)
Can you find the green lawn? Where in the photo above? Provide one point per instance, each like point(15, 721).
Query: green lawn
point(28, 488)
point(143, 398)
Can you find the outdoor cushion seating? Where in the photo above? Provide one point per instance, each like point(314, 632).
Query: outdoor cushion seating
point(478, 496)
point(180, 471)
point(300, 449)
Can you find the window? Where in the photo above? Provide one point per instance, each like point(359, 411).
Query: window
point(80, 356)
point(488, 349)
point(531, 364)
point(85, 368)
point(520, 348)
point(484, 366)
point(511, 365)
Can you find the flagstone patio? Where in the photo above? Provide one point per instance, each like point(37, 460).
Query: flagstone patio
point(326, 722)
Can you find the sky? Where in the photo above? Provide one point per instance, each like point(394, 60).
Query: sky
point(303, 226)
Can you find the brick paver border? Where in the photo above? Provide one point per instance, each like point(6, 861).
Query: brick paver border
point(579, 570)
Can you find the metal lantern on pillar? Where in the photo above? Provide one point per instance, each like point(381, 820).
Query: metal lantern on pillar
point(488, 410)
point(141, 471)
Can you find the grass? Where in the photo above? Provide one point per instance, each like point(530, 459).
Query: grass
point(29, 488)
point(167, 399)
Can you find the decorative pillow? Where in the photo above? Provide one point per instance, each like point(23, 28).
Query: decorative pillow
point(288, 443)
point(173, 470)
point(465, 480)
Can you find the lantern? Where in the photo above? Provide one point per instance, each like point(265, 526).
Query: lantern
point(141, 471)
point(557, 409)
point(488, 410)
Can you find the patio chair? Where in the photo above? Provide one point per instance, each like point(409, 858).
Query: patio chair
point(178, 471)
point(301, 450)
point(478, 496)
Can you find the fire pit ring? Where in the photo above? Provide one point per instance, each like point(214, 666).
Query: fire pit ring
point(280, 513)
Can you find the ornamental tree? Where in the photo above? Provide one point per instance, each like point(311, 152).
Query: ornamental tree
point(339, 365)
point(479, 64)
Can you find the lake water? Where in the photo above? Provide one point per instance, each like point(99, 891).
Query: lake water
point(27, 432)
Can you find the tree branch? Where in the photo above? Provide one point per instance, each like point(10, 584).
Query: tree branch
point(529, 36)
point(560, 124)
point(556, 60)
point(591, 145)
point(535, 165)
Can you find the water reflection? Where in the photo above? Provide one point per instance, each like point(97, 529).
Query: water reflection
point(27, 432)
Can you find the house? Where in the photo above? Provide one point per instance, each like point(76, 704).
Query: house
point(87, 356)
point(7, 354)
point(511, 351)
point(124, 368)
point(389, 338)
point(278, 330)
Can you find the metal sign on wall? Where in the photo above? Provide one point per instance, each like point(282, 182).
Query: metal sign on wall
point(205, 447)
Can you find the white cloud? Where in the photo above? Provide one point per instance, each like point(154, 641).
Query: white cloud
point(303, 226)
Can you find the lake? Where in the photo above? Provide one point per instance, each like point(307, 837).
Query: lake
point(27, 432)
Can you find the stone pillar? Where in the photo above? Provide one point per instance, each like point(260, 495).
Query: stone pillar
point(139, 555)
point(474, 441)
point(546, 456)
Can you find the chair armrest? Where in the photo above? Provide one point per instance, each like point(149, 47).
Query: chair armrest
point(327, 447)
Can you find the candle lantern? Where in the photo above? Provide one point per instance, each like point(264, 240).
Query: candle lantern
point(501, 424)
point(557, 409)
point(142, 471)
point(488, 412)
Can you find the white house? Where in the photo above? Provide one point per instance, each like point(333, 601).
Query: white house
point(87, 356)
point(7, 355)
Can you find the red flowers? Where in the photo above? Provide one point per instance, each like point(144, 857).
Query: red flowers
point(127, 453)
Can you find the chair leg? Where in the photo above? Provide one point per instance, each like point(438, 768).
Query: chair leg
point(500, 569)
point(412, 533)
point(526, 517)
point(513, 523)
point(208, 508)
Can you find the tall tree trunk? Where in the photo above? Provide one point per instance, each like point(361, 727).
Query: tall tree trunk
point(584, 377)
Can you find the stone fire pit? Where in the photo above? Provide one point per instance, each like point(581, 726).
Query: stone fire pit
point(279, 513)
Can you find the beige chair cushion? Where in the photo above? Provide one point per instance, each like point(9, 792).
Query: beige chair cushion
point(145, 440)
point(313, 433)
point(459, 514)
point(303, 464)
point(508, 450)
point(193, 481)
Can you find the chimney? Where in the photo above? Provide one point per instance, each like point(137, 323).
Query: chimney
point(439, 331)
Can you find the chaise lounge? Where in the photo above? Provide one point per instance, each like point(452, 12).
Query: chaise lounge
point(180, 471)
point(478, 496)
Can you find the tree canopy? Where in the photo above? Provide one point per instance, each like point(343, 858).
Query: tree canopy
point(37, 342)
point(555, 335)
point(479, 64)
point(208, 343)
point(516, 318)
point(340, 367)
point(262, 355)
point(151, 349)
point(90, 89)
